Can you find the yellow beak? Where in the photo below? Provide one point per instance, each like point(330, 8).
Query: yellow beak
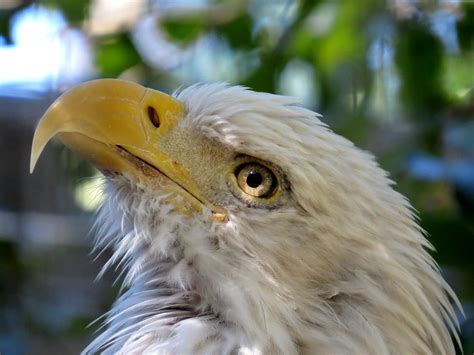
point(116, 126)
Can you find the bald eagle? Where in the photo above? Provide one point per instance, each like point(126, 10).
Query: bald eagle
point(243, 225)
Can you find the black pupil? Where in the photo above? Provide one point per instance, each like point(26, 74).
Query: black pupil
point(254, 179)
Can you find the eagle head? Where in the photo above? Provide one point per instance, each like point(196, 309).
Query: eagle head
point(244, 225)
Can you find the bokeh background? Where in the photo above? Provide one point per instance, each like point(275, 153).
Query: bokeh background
point(395, 76)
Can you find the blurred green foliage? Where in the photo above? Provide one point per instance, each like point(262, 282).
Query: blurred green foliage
point(419, 59)
point(465, 26)
point(183, 31)
point(115, 54)
point(75, 11)
point(404, 104)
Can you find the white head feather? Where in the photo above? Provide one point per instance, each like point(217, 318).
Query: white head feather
point(339, 266)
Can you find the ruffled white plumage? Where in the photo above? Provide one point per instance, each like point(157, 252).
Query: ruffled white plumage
point(341, 269)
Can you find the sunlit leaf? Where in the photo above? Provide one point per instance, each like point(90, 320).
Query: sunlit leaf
point(459, 76)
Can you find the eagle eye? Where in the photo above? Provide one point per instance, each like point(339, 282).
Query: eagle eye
point(256, 180)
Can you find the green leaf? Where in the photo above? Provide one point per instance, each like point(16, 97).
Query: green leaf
point(5, 17)
point(183, 30)
point(75, 11)
point(419, 58)
point(345, 41)
point(238, 32)
point(115, 54)
point(5, 25)
point(465, 27)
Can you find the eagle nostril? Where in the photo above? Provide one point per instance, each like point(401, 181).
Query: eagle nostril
point(154, 117)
